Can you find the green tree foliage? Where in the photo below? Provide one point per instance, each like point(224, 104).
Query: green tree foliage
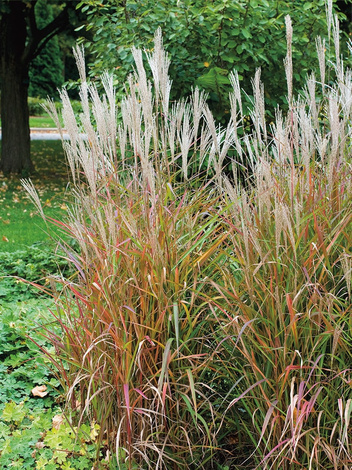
point(46, 72)
point(207, 39)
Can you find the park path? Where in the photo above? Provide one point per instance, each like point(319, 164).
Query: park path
point(40, 133)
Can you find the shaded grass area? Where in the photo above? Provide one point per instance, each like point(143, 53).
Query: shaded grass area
point(20, 225)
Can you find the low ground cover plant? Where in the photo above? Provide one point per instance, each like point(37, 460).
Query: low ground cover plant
point(33, 432)
point(209, 322)
point(23, 271)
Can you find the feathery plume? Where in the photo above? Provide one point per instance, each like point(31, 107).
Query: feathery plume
point(329, 17)
point(159, 63)
point(186, 138)
point(258, 113)
point(336, 36)
point(142, 86)
point(198, 101)
point(320, 45)
point(34, 196)
point(235, 99)
point(288, 59)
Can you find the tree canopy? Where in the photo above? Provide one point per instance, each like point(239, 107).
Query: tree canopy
point(207, 39)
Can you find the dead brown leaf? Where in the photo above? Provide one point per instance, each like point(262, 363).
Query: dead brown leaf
point(57, 421)
point(39, 391)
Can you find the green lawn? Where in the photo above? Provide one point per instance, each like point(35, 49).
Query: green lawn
point(40, 121)
point(20, 225)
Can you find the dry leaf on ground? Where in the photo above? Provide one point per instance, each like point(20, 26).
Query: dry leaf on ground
point(39, 391)
point(57, 421)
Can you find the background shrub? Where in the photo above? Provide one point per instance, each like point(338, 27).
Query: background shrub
point(35, 106)
point(206, 41)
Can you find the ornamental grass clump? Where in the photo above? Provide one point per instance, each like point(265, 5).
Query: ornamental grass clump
point(210, 319)
point(135, 322)
point(286, 281)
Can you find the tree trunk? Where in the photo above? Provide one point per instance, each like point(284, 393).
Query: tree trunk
point(15, 148)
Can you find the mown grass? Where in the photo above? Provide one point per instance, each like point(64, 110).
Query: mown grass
point(20, 224)
point(44, 121)
point(41, 121)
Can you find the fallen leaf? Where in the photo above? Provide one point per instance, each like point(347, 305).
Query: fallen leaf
point(5, 239)
point(7, 221)
point(57, 421)
point(39, 391)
